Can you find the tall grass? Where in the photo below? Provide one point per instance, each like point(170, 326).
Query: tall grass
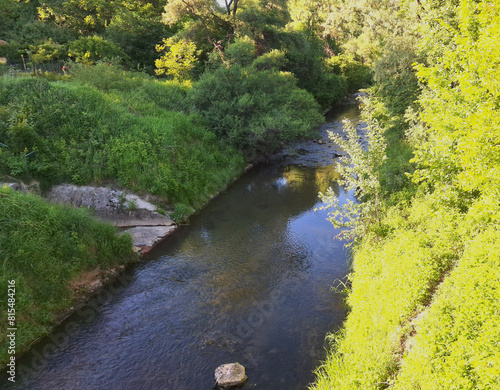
point(77, 133)
point(43, 248)
point(456, 345)
point(393, 279)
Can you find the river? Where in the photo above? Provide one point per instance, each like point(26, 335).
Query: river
point(249, 280)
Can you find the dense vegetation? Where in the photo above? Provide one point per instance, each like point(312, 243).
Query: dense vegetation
point(175, 97)
point(72, 132)
point(235, 83)
point(424, 285)
point(44, 248)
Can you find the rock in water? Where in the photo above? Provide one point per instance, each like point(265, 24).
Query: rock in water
point(230, 375)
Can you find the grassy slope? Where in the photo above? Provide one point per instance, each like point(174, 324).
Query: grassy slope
point(457, 340)
point(43, 247)
point(425, 299)
point(392, 280)
point(131, 135)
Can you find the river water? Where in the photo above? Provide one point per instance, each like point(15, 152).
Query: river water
point(248, 280)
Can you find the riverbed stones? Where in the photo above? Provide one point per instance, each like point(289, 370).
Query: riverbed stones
point(230, 375)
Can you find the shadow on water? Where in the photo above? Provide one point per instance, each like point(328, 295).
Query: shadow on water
point(248, 281)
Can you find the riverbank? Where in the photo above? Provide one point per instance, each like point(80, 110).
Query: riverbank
point(55, 257)
point(424, 297)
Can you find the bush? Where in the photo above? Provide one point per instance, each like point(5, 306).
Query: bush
point(255, 111)
point(88, 50)
point(137, 36)
point(356, 74)
point(274, 60)
point(329, 89)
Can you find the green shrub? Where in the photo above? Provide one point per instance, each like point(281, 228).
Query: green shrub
point(273, 60)
point(256, 111)
point(88, 50)
point(329, 89)
point(47, 51)
point(356, 74)
point(137, 36)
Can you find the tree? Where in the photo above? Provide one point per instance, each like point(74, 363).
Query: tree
point(459, 150)
point(360, 173)
point(178, 60)
point(84, 16)
point(137, 32)
point(218, 23)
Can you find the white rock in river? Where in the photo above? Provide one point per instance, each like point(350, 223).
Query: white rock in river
point(229, 375)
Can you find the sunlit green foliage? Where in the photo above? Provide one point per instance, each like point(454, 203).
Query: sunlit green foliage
point(86, 17)
point(48, 51)
point(88, 50)
point(356, 74)
point(456, 345)
point(461, 107)
point(392, 280)
point(216, 23)
point(178, 59)
point(360, 172)
point(432, 322)
point(83, 135)
point(43, 247)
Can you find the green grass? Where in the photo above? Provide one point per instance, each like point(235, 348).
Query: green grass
point(43, 247)
point(392, 280)
point(457, 340)
point(129, 136)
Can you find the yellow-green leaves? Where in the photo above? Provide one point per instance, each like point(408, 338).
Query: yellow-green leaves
point(178, 60)
point(461, 105)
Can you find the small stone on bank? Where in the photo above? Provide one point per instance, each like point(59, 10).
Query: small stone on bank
point(230, 375)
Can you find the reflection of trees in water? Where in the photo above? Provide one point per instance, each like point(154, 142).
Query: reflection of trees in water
point(322, 177)
point(242, 240)
point(349, 111)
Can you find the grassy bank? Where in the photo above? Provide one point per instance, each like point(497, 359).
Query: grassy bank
point(74, 132)
point(44, 247)
point(424, 293)
point(424, 305)
point(393, 279)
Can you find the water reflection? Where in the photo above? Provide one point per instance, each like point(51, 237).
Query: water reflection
point(321, 177)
